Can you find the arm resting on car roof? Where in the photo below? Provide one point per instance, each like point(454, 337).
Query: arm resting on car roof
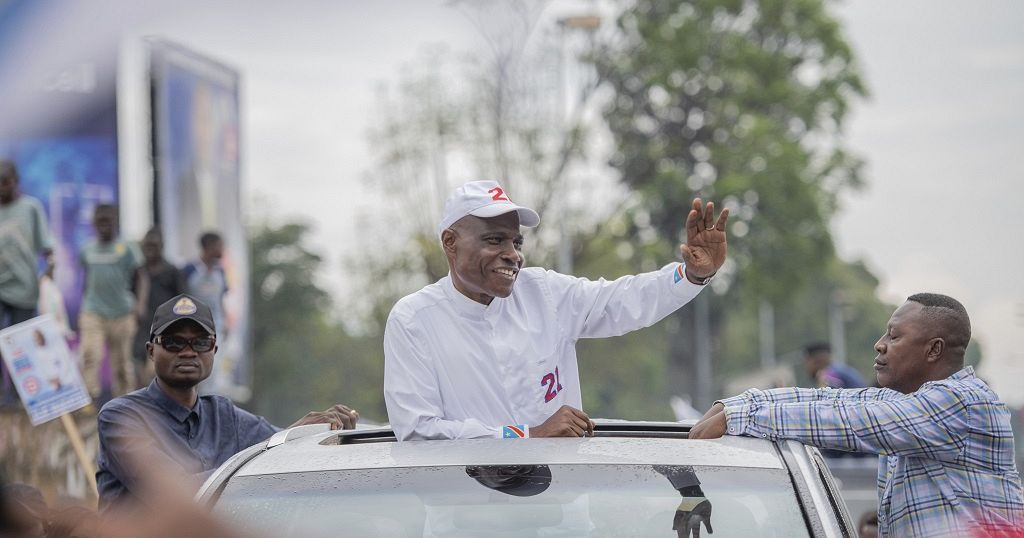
point(793, 394)
point(932, 423)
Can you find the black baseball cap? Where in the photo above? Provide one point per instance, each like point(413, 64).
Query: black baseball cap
point(182, 307)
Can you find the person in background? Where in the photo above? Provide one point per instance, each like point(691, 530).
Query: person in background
point(867, 527)
point(819, 366)
point(24, 237)
point(165, 281)
point(74, 522)
point(23, 511)
point(51, 301)
point(205, 278)
point(109, 308)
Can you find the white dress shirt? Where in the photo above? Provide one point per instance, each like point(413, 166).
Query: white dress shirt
point(455, 368)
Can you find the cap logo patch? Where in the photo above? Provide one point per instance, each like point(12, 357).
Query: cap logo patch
point(184, 307)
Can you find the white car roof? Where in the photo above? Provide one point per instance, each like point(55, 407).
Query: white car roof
point(320, 452)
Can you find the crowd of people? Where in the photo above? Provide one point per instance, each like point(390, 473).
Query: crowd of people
point(124, 281)
point(489, 351)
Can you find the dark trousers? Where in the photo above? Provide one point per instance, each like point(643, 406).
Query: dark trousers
point(11, 315)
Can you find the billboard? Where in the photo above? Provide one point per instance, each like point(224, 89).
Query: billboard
point(69, 175)
point(196, 124)
point(60, 129)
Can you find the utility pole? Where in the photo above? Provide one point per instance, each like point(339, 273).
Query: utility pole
point(702, 330)
point(590, 24)
point(766, 323)
point(837, 326)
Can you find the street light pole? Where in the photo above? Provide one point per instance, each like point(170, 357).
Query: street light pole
point(588, 23)
point(837, 326)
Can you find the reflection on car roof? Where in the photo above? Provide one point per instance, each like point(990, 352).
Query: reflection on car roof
point(321, 452)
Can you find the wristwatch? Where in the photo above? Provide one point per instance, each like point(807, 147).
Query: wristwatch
point(698, 281)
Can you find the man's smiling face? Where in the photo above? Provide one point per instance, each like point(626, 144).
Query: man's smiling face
point(485, 255)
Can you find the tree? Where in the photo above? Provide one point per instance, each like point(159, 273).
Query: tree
point(304, 359)
point(736, 101)
point(496, 114)
point(740, 101)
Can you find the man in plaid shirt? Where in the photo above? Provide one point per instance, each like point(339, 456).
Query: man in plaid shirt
point(947, 462)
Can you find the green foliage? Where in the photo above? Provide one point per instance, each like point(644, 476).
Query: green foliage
point(743, 102)
point(626, 376)
point(304, 360)
point(740, 102)
point(804, 318)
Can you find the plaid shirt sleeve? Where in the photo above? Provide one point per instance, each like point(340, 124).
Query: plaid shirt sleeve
point(793, 394)
point(931, 422)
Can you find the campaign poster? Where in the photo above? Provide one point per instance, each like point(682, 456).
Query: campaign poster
point(196, 125)
point(42, 369)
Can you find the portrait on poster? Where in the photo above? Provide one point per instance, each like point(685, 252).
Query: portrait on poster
point(42, 369)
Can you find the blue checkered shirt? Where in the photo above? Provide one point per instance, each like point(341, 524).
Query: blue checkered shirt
point(947, 461)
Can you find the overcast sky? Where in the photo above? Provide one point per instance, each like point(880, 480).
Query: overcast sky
point(943, 133)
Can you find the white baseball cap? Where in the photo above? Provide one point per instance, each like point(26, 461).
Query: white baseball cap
point(483, 199)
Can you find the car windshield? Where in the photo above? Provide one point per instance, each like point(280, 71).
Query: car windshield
point(536, 500)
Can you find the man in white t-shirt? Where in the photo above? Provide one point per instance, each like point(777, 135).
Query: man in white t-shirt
point(490, 349)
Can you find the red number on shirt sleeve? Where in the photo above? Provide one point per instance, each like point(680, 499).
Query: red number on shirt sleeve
point(499, 195)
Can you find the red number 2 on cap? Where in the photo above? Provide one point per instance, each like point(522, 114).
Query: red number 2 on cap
point(499, 195)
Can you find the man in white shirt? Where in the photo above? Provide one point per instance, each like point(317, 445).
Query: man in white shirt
point(490, 349)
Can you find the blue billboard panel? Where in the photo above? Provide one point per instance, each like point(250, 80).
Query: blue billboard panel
point(196, 122)
point(69, 175)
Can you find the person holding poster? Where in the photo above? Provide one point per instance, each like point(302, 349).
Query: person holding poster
point(24, 236)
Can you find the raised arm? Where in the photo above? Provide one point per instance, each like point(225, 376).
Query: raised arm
point(597, 309)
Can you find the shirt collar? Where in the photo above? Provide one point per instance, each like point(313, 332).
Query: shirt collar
point(966, 372)
point(173, 408)
point(464, 305)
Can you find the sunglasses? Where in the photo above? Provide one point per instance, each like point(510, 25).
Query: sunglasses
point(175, 344)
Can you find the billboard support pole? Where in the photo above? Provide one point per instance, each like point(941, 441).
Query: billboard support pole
point(76, 442)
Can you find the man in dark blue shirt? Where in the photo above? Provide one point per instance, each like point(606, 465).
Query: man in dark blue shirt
point(168, 423)
point(821, 369)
